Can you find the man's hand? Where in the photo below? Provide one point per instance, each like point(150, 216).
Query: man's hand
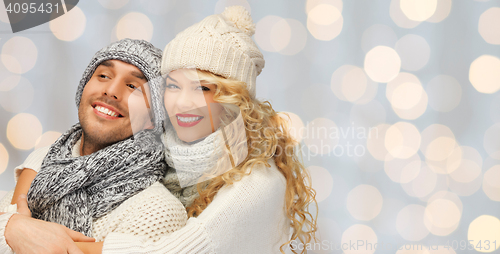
point(27, 235)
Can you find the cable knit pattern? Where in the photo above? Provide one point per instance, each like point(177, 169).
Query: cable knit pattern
point(220, 44)
point(152, 213)
point(245, 217)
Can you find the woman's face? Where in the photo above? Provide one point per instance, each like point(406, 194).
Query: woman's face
point(190, 105)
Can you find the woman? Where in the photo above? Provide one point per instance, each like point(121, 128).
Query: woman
point(250, 208)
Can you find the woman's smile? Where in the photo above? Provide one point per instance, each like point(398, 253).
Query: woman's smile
point(188, 120)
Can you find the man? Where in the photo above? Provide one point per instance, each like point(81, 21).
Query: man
point(96, 165)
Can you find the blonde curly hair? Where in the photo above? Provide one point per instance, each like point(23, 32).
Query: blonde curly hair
point(267, 137)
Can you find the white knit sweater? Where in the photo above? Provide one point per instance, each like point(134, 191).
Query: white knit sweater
point(245, 217)
point(152, 213)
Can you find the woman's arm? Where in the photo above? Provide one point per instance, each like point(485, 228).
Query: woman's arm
point(23, 183)
point(90, 248)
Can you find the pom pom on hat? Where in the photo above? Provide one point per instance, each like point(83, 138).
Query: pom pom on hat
point(240, 18)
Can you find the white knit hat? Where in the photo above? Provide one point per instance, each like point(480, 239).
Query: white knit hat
point(220, 44)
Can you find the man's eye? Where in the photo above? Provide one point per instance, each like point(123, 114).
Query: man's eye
point(103, 76)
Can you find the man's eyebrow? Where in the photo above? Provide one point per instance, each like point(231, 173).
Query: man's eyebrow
point(138, 75)
point(108, 63)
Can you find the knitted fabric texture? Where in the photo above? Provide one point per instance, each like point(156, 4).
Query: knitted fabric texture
point(139, 53)
point(73, 191)
point(220, 44)
point(189, 162)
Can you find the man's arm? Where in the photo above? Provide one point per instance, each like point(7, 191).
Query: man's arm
point(27, 235)
point(23, 183)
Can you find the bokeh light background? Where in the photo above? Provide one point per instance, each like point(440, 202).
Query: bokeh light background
point(394, 102)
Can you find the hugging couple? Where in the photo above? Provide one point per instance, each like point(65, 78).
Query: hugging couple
point(172, 154)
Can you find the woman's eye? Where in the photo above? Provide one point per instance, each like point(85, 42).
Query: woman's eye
point(134, 87)
point(203, 88)
point(171, 86)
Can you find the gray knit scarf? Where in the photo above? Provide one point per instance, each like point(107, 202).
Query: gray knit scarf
point(72, 191)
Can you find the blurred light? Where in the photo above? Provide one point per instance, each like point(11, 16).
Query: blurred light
point(349, 83)
point(423, 184)
point(405, 85)
point(378, 35)
point(222, 4)
point(280, 35)
point(467, 188)
point(418, 10)
point(263, 32)
point(19, 98)
point(485, 228)
point(364, 202)
point(369, 114)
point(438, 143)
point(322, 182)
point(385, 222)
point(399, 17)
point(296, 125)
point(298, 37)
point(376, 142)
point(47, 139)
point(489, 25)
point(161, 7)
point(491, 183)
point(113, 4)
point(382, 64)
point(442, 217)
point(407, 95)
point(321, 136)
point(442, 11)
point(403, 170)
point(9, 83)
point(444, 93)
point(410, 223)
point(4, 158)
point(69, 26)
point(19, 54)
point(134, 25)
point(414, 52)
point(484, 74)
point(467, 166)
point(324, 14)
point(311, 4)
point(402, 140)
point(491, 141)
point(328, 31)
point(359, 232)
point(23, 130)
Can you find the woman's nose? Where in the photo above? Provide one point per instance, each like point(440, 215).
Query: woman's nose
point(189, 100)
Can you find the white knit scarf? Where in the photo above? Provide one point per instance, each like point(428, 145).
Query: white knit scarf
point(188, 162)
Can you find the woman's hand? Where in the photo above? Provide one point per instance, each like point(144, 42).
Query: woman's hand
point(27, 235)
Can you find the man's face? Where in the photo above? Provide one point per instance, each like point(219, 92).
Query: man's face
point(114, 88)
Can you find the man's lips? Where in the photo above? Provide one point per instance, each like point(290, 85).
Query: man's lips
point(106, 111)
point(188, 120)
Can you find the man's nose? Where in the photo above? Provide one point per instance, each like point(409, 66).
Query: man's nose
point(113, 89)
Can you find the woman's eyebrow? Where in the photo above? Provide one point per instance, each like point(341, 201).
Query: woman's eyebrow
point(168, 77)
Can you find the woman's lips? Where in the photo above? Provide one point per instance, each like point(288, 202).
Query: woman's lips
point(188, 120)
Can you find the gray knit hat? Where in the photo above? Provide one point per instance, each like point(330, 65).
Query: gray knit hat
point(139, 53)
